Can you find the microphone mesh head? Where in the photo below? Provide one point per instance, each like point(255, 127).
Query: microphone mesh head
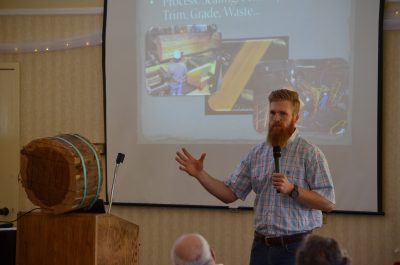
point(120, 158)
point(277, 151)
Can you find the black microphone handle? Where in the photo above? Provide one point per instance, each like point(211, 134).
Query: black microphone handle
point(276, 164)
point(277, 168)
point(277, 154)
point(276, 159)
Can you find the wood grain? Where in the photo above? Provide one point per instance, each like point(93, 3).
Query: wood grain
point(76, 238)
point(238, 74)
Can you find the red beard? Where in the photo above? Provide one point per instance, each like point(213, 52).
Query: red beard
point(278, 135)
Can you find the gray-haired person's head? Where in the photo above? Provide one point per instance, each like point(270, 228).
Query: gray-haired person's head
point(192, 249)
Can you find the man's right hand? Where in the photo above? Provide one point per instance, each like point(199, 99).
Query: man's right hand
point(194, 167)
point(189, 164)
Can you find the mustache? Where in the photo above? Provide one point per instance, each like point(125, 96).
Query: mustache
point(276, 124)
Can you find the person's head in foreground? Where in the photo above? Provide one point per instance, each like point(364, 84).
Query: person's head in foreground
point(192, 249)
point(319, 250)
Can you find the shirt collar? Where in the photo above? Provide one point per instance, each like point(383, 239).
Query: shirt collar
point(293, 136)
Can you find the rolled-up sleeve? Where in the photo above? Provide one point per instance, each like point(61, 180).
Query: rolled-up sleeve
point(239, 181)
point(319, 177)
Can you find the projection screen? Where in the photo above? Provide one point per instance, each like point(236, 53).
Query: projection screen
point(231, 55)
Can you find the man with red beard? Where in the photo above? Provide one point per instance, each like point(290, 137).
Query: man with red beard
point(288, 205)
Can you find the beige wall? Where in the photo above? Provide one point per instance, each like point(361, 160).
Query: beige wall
point(62, 92)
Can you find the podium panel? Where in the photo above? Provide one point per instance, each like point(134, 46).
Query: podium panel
point(8, 245)
point(76, 238)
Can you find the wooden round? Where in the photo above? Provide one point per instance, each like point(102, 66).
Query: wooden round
point(52, 173)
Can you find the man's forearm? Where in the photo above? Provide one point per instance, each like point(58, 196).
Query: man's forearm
point(314, 200)
point(216, 187)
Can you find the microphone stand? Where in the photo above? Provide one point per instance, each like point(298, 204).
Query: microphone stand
point(120, 160)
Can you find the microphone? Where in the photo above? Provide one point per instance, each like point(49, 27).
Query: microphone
point(4, 211)
point(277, 155)
point(119, 160)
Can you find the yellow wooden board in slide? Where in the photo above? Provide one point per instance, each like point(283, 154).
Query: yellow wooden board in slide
point(188, 43)
point(238, 74)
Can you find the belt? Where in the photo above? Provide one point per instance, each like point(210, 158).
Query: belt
point(279, 240)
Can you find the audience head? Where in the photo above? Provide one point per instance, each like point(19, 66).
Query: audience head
point(319, 250)
point(192, 249)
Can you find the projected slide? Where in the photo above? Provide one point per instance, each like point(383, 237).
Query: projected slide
point(197, 74)
point(235, 76)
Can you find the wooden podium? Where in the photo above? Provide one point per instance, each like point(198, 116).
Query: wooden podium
point(76, 239)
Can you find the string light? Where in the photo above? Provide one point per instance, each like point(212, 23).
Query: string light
point(88, 39)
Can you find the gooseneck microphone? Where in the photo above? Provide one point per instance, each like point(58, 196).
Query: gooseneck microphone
point(277, 155)
point(119, 160)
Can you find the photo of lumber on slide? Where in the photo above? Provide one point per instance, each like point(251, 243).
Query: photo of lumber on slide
point(181, 60)
point(235, 76)
point(237, 61)
point(195, 60)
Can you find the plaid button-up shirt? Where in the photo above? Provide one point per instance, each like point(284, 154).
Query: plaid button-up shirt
point(277, 214)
